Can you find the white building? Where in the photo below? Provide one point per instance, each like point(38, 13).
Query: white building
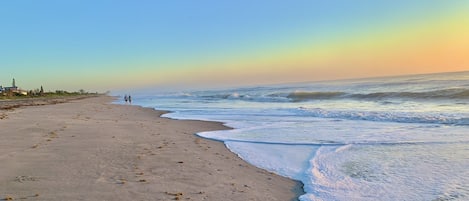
point(13, 89)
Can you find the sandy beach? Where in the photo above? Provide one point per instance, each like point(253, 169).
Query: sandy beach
point(90, 149)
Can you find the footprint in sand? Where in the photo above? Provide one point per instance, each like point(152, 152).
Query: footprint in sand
point(3, 116)
point(22, 179)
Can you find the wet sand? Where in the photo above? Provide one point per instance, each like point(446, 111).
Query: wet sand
point(90, 149)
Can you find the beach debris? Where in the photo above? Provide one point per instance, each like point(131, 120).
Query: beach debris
point(8, 198)
point(35, 146)
point(122, 181)
point(180, 162)
point(142, 180)
point(177, 196)
point(241, 191)
point(173, 194)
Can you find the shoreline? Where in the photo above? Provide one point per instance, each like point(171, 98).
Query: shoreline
point(95, 150)
point(297, 189)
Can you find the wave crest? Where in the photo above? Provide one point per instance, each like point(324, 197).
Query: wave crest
point(303, 96)
point(399, 117)
point(456, 94)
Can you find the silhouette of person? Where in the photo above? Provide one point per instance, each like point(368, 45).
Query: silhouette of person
point(130, 99)
point(125, 98)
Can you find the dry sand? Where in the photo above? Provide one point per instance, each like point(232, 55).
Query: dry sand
point(90, 149)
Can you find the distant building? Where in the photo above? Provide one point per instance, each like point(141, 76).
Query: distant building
point(13, 89)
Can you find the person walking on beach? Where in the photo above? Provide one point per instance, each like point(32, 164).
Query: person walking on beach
point(125, 98)
point(130, 99)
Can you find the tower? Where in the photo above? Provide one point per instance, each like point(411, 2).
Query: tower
point(13, 84)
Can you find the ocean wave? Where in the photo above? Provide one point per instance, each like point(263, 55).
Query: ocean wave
point(399, 117)
point(233, 95)
point(450, 94)
point(303, 96)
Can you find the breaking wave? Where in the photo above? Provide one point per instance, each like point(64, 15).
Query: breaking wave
point(446, 94)
point(399, 117)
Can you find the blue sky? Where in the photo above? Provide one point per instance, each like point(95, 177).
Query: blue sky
point(81, 44)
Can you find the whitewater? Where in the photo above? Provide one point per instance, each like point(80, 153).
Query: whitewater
point(392, 138)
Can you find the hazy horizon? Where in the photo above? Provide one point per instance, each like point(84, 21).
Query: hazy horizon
point(175, 88)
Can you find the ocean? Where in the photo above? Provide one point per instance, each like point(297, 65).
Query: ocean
point(390, 138)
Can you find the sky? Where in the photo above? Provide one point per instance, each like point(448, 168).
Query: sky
point(100, 45)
